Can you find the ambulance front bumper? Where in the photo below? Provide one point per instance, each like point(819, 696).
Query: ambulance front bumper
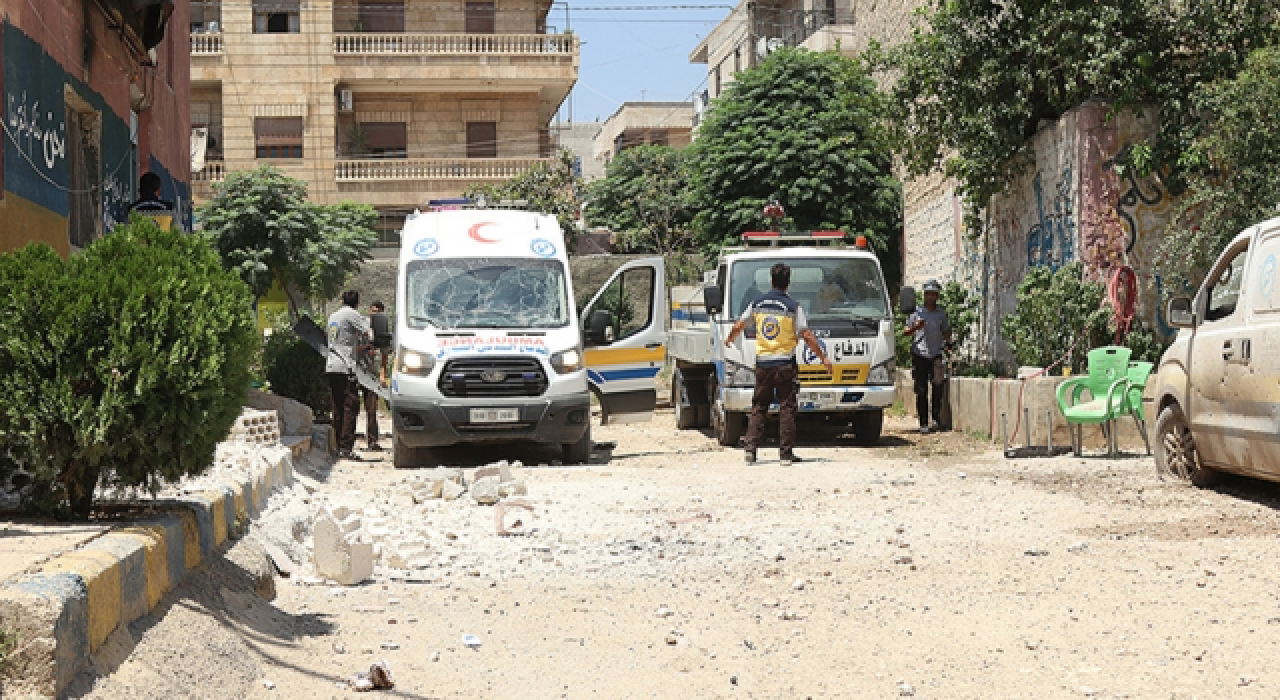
point(819, 399)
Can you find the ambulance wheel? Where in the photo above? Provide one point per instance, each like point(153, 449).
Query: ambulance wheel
point(579, 452)
point(686, 414)
point(403, 456)
point(867, 426)
point(728, 427)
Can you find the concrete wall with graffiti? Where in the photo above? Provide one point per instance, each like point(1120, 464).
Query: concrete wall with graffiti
point(1071, 206)
point(83, 117)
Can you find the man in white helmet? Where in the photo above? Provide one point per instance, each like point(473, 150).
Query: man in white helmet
point(929, 330)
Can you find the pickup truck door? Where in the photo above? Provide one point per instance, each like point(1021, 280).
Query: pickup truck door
point(622, 369)
point(1259, 393)
point(1220, 357)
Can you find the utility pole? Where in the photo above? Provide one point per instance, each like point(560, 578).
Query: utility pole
point(751, 34)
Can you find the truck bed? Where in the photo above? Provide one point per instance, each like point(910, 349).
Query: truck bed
point(691, 345)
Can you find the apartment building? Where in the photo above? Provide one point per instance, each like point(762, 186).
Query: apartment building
point(95, 95)
point(392, 103)
point(637, 123)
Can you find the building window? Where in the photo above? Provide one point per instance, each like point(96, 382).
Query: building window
point(380, 16)
point(480, 18)
point(482, 139)
point(737, 60)
point(385, 139)
point(715, 80)
point(658, 137)
point(278, 137)
point(276, 16)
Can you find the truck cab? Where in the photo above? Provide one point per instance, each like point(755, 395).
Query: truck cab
point(842, 291)
point(1218, 386)
point(489, 346)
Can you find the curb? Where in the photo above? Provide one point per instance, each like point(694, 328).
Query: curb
point(64, 613)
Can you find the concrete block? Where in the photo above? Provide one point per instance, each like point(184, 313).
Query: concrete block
point(50, 613)
point(338, 555)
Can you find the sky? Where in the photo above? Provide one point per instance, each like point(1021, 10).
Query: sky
point(635, 54)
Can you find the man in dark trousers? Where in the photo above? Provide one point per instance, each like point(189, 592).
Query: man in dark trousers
point(929, 330)
point(371, 433)
point(779, 323)
point(347, 331)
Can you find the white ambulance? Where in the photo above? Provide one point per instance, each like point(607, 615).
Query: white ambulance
point(489, 345)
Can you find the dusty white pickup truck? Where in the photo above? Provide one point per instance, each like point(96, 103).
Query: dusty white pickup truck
point(1218, 392)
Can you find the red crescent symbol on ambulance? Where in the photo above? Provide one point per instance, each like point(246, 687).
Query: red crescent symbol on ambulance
point(474, 232)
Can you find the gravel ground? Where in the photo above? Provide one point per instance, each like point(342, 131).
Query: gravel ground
point(928, 567)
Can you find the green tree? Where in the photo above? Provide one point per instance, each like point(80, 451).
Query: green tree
point(1236, 182)
point(261, 224)
point(977, 78)
point(123, 366)
point(803, 128)
point(645, 198)
point(1057, 312)
point(550, 187)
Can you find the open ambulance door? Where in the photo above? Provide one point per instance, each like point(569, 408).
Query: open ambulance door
point(624, 334)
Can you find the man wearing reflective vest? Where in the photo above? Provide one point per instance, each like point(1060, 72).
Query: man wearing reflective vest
point(779, 323)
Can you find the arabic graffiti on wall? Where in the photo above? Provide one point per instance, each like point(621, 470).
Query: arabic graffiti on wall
point(38, 134)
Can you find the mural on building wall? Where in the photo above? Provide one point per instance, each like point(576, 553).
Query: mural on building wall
point(1051, 240)
point(1124, 215)
point(37, 156)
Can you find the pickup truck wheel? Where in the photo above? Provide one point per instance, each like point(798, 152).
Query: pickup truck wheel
point(579, 452)
point(867, 426)
point(1175, 449)
point(686, 415)
point(728, 426)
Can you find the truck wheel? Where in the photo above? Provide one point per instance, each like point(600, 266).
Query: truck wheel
point(402, 456)
point(579, 452)
point(686, 415)
point(728, 427)
point(1175, 449)
point(867, 426)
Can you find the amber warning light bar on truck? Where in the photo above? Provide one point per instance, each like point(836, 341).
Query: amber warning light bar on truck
point(774, 238)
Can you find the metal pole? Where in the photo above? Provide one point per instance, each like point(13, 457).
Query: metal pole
point(1048, 421)
point(1004, 430)
point(1026, 419)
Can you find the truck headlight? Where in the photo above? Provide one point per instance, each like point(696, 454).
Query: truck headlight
point(416, 363)
point(882, 373)
point(567, 361)
point(738, 375)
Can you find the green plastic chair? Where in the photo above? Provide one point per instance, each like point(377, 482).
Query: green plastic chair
point(1108, 387)
point(1139, 373)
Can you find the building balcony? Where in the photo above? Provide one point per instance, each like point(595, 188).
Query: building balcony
point(424, 45)
point(202, 181)
point(206, 44)
point(408, 170)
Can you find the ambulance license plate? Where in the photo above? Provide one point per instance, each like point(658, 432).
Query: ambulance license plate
point(819, 396)
point(495, 415)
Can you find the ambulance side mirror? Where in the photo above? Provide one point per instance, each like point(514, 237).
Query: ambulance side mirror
point(713, 299)
point(907, 300)
point(599, 326)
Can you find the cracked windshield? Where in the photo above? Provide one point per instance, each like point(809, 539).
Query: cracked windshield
point(827, 290)
point(487, 293)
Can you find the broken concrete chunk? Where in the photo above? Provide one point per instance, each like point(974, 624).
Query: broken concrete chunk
point(485, 491)
point(513, 488)
point(451, 490)
point(338, 554)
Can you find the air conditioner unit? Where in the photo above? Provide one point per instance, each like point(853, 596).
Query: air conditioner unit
point(346, 101)
point(767, 45)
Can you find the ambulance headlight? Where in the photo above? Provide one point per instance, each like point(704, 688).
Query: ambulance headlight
point(415, 363)
point(738, 375)
point(567, 361)
point(882, 373)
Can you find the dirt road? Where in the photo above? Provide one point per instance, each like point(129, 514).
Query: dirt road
point(928, 567)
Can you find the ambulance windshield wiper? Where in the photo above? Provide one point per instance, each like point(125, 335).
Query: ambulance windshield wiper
point(424, 319)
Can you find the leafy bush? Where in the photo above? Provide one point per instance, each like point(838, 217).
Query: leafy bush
point(124, 365)
point(1057, 312)
point(295, 370)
